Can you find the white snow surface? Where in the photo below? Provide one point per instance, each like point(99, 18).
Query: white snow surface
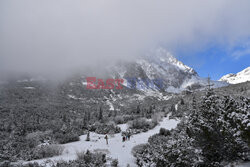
point(84, 83)
point(176, 107)
point(111, 106)
point(115, 149)
point(166, 57)
point(239, 164)
point(29, 87)
point(240, 77)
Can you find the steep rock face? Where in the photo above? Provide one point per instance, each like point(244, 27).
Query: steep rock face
point(242, 76)
point(162, 65)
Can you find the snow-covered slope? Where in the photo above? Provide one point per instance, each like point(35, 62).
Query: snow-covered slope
point(240, 77)
point(116, 149)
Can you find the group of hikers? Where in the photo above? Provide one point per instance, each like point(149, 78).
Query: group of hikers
point(125, 136)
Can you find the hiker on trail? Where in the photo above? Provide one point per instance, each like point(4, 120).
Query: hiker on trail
point(129, 135)
point(123, 138)
point(126, 136)
point(106, 137)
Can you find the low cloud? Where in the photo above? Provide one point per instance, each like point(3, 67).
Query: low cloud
point(57, 36)
point(240, 53)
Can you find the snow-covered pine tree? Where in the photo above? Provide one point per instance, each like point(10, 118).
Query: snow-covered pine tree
point(100, 114)
point(215, 131)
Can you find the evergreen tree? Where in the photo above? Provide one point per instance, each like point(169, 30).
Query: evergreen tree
point(150, 110)
point(172, 108)
point(138, 110)
point(182, 101)
point(100, 114)
point(114, 163)
point(115, 113)
point(212, 130)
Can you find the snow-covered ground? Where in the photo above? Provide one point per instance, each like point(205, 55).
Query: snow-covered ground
point(29, 87)
point(115, 149)
point(239, 164)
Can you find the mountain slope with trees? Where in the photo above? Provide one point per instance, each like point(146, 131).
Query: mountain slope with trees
point(216, 132)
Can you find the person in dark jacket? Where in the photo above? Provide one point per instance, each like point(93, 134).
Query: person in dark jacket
point(106, 137)
point(123, 138)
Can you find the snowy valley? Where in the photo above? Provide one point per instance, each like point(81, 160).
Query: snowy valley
point(168, 125)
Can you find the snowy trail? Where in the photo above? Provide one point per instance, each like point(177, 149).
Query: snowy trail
point(115, 149)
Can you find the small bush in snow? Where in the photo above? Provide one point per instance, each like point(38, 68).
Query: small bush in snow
point(38, 137)
point(45, 151)
point(66, 138)
point(109, 128)
point(142, 124)
point(88, 158)
point(114, 163)
point(164, 132)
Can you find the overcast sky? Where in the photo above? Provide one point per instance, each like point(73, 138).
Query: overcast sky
point(60, 35)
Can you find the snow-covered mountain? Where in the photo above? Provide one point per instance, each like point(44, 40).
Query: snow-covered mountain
point(240, 77)
point(160, 64)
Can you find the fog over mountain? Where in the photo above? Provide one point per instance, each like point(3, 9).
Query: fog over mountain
point(47, 37)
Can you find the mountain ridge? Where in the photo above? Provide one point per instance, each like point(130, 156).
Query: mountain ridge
point(161, 64)
point(242, 76)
